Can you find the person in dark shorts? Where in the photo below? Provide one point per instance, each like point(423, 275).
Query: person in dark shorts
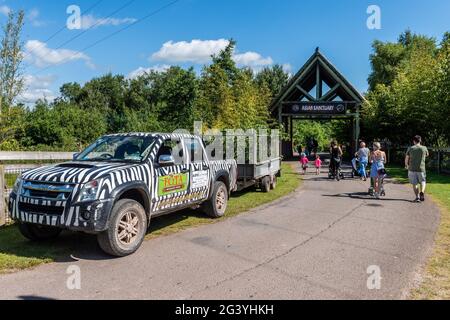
point(415, 164)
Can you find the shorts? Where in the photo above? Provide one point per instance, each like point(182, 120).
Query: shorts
point(417, 177)
point(305, 166)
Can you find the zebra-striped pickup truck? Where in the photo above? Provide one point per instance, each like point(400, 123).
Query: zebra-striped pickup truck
point(116, 185)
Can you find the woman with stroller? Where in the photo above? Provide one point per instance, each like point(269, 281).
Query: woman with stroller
point(336, 155)
point(378, 170)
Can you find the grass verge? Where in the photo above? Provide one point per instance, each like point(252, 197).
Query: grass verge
point(16, 253)
point(436, 280)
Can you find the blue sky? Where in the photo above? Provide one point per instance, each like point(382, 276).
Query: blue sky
point(267, 32)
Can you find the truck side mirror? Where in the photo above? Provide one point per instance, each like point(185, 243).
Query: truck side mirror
point(166, 160)
point(75, 155)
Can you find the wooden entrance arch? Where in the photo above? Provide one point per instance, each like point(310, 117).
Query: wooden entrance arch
point(317, 91)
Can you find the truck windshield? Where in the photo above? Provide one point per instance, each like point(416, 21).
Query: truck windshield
point(118, 149)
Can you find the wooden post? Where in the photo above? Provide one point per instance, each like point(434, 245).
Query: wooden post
point(439, 162)
point(3, 212)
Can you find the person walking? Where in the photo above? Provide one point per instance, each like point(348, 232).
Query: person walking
point(318, 164)
point(378, 170)
point(336, 155)
point(304, 161)
point(363, 159)
point(415, 164)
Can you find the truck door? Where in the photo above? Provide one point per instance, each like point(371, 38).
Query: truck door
point(199, 169)
point(172, 177)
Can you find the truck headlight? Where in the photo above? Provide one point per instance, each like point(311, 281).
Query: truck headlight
point(17, 184)
point(90, 191)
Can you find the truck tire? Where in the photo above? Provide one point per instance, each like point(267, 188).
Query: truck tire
point(36, 232)
point(126, 230)
point(216, 206)
point(273, 184)
point(265, 184)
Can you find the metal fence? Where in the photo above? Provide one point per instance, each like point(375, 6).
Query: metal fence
point(13, 165)
point(439, 160)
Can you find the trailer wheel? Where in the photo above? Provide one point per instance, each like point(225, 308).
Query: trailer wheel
point(36, 232)
point(265, 184)
point(273, 184)
point(126, 231)
point(217, 205)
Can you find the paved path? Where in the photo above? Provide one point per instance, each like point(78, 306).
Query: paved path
point(314, 244)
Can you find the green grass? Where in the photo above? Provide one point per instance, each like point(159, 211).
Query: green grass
point(436, 280)
point(10, 178)
point(238, 203)
point(16, 253)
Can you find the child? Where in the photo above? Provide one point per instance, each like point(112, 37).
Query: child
point(318, 164)
point(304, 161)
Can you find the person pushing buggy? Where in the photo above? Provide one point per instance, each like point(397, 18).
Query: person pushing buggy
point(335, 162)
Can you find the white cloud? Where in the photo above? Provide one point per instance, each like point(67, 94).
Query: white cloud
point(37, 87)
point(196, 51)
point(252, 60)
point(141, 70)
point(37, 53)
point(90, 21)
point(200, 52)
point(33, 17)
point(5, 10)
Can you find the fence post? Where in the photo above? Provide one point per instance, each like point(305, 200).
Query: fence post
point(439, 162)
point(2, 197)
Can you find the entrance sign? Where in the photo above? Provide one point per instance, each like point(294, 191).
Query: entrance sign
point(316, 108)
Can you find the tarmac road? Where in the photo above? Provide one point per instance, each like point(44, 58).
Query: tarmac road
point(318, 243)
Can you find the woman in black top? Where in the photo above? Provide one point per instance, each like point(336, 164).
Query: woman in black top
point(336, 154)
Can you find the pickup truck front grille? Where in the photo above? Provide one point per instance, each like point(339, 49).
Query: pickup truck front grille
point(47, 190)
point(35, 208)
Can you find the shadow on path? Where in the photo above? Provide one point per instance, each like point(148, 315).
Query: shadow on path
point(362, 196)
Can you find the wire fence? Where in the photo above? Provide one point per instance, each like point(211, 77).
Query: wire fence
point(438, 161)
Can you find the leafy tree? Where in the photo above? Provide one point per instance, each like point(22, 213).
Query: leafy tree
point(416, 101)
point(274, 78)
point(388, 58)
point(172, 93)
point(11, 56)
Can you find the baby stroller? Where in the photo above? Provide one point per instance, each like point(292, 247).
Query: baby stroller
point(372, 186)
point(332, 174)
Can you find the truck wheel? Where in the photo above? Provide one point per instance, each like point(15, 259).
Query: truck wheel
point(126, 230)
point(217, 205)
point(36, 232)
point(265, 184)
point(273, 185)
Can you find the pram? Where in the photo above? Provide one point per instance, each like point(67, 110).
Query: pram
point(332, 175)
point(372, 188)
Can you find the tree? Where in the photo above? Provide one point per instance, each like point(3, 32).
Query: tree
point(416, 100)
point(274, 78)
point(229, 97)
point(172, 94)
point(388, 58)
point(11, 78)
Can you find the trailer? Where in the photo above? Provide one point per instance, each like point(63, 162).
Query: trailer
point(261, 174)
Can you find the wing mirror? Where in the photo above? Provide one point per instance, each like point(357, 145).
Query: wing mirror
point(166, 160)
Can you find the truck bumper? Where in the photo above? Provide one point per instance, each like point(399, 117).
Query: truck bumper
point(89, 217)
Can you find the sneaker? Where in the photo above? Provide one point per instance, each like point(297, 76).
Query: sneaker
point(422, 197)
point(417, 200)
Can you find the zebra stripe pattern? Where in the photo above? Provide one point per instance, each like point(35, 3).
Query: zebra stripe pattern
point(113, 175)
